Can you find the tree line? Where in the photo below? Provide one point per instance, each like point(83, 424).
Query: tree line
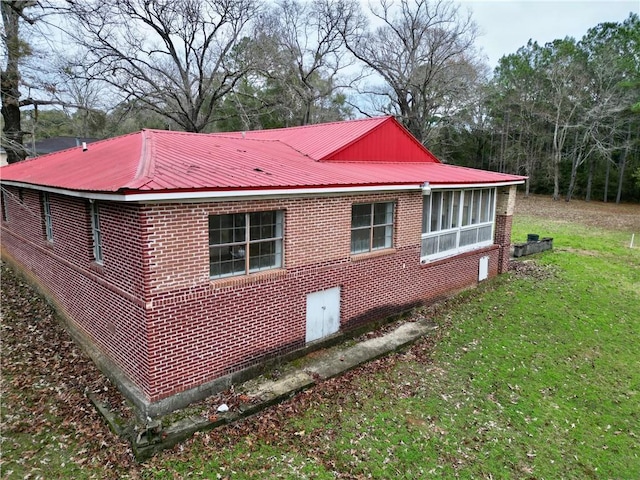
point(566, 114)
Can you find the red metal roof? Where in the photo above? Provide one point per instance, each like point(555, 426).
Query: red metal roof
point(371, 152)
point(380, 139)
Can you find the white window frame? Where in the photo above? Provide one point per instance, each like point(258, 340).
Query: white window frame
point(388, 226)
point(241, 250)
point(46, 212)
point(438, 242)
point(96, 232)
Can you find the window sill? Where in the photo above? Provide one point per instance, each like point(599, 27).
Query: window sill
point(241, 280)
point(426, 262)
point(96, 267)
point(358, 257)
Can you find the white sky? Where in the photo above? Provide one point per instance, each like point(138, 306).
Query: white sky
point(507, 25)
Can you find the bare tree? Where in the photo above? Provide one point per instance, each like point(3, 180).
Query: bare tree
point(423, 52)
point(17, 50)
point(177, 58)
point(307, 57)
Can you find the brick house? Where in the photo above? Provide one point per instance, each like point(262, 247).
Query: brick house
point(182, 261)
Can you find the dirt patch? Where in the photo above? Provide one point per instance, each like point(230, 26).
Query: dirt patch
point(623, 217)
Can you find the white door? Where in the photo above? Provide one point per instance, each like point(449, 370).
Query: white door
point(323, 313)
point(483, 269)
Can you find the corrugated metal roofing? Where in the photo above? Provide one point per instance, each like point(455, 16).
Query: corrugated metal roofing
point(380, 139)
point(107, 165)
point(163, 161)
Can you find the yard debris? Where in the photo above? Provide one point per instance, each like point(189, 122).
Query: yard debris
point(530, 269)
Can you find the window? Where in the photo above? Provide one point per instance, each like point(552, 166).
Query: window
point(243, 243)
point(454, 221)
point(5, 207)
point(371, 227)
point(95, 231)
point(46, 212)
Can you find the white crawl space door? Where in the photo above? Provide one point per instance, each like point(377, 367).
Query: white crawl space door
point(483, 269)
point(323, 313)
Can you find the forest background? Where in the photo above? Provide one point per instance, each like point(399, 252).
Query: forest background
point(566, 113)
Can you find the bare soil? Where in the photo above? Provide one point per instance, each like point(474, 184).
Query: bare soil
point(623, 217)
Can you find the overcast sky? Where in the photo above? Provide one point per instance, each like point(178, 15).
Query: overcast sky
point(507, 25)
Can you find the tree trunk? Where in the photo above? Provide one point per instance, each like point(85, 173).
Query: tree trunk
point(592, 167)
point(558, 142)
point(623, 162)
point(574, 170)
point(572, 180)
point(12, 130)
point(606, 181)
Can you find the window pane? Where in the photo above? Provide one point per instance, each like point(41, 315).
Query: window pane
point(382, 213)
point(263, 225)
point(467, 237)
point(447, 242)
point(360, 240)
point(226, 260)
point(436, 199)
point(261, 256)
point(229, 228)
point(97, 236)
point(455, 213)
point(426, 208)
point(484, 233)
point(475, 207)
point(445, 222)
point(382, 237)
point(429, 246)
point(361, 215)
point(466, 207)
point(484, 216)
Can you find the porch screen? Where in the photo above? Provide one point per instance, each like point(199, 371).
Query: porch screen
point(455, 221)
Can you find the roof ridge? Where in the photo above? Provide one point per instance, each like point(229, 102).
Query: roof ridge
point(312, 125)
point(146, 163)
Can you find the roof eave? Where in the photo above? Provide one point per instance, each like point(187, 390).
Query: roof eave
point(449, 186)
point(220, 194)
point(130, 195)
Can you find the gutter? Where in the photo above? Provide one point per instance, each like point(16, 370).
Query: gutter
point(254, 194)
point(204, 195)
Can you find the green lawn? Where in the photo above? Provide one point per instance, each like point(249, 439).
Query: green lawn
point(532, 375)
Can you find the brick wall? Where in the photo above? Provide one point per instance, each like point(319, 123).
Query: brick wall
point(505, 207)
point(153, 310)
point(201, 329)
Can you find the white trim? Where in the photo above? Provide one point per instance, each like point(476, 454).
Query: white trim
point(219, 195)
point(457, 251)
point(254, 194)
point(452, 186)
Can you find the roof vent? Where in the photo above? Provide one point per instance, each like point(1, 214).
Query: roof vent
point(84, 146)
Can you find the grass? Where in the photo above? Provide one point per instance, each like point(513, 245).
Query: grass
point(533, 377)
point(530, 376)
